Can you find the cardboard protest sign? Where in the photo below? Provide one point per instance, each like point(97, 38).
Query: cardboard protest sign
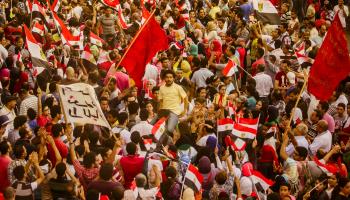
point(80, 104)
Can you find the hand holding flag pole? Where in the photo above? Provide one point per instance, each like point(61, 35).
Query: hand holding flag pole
point(298, 99)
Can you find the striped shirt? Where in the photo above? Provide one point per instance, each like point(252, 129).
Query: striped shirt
point(29, 102)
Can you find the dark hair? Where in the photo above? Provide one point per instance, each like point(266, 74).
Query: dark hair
point(56, 130)
point(143, 114)
point(89, 159)
point(114, 113)
point(4, 147)
point(135, 137)
point(31, 113)
point(22, 132)
point(170, 173)
point(131, 148)
point(19, 121)
point(166, 72)
point(61, 169)
point(18, 151)
point(19, 172)
point(93, 137)
point(221, 177)
point(55, 110)
point(133, 107)
point(122, 117)
point(324, 105)
point(341, 184)
point(341, 105)
point(92, 194)
point(106, 171)
point(302, 151)
point(117, 193)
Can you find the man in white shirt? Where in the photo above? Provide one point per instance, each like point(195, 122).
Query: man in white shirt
point(200, 76)
point(299, 139)
point(323, 140)
point(121, 127)
point(143, 127)
point(263, 82)
point(343, 12)
point(9, 110)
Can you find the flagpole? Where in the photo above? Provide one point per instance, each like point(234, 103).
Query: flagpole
point(245, 71)
point(133, 41)
point(183, 181)
point(298, 99)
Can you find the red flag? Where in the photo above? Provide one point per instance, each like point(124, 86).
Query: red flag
point(148, 42)
point(332, 63)
point(111, 3)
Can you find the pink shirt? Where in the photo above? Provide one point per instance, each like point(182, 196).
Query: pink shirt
point(330, 121)
point(122, 80)
point(4, 180)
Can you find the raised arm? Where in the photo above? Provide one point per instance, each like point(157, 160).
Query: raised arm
point(39, 102)
point(283, 152)
point(54, 147)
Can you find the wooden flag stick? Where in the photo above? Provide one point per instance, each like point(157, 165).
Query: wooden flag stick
point(298, 99)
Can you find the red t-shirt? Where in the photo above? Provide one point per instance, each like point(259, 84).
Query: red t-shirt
point(62, 148)
point(131, 166)
point(281, 77)
point(4, 180)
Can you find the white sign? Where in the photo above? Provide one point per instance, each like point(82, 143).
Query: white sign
point(80, 104)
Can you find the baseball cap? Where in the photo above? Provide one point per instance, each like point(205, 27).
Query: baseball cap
point(4, 120)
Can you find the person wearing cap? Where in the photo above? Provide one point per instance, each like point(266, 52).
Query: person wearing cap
point(9, 108)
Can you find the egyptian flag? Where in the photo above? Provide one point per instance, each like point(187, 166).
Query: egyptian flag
point(193, 179)
point(237, 145)
point(304, 60)
point(225, 124)
point(122, 20)
point(29, 6)
point(38, 28)
point(149, 144)
point(66, 35)
point(55, 5)
point(177, 45)
point(94, 39)
point(38, 11)
point(112, 3)
point(159, 128)
point(88, 59)
point(230, 68)
point(37, 55)
point(266, 12)
point(246, 128)
point(260, 181)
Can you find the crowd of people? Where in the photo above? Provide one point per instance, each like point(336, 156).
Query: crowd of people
point(301, 145)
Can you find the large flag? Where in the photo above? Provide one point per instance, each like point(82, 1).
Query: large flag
point(266, 12)
point(246, 128)
point(111, 3)
point(193, 178)
point(332, 63)
point(80, 104)
point(150, 39)
point(159, 128)
point(66, 35)
point(88, 59)
point(36, 53)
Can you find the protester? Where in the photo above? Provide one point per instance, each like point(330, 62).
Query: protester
point(187, 99)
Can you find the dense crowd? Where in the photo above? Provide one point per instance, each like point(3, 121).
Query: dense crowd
point(301, 147)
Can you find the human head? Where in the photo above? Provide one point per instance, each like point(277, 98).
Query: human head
point(140, 180)
point(284, 190)
point(106, 171)
point(56, 130)
point(5, 147)
point(61, 169)
point(131, 148)
point(19, 172)
point(168, 77)
point(322, 126)
point(89, 160)
point(340, 109)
